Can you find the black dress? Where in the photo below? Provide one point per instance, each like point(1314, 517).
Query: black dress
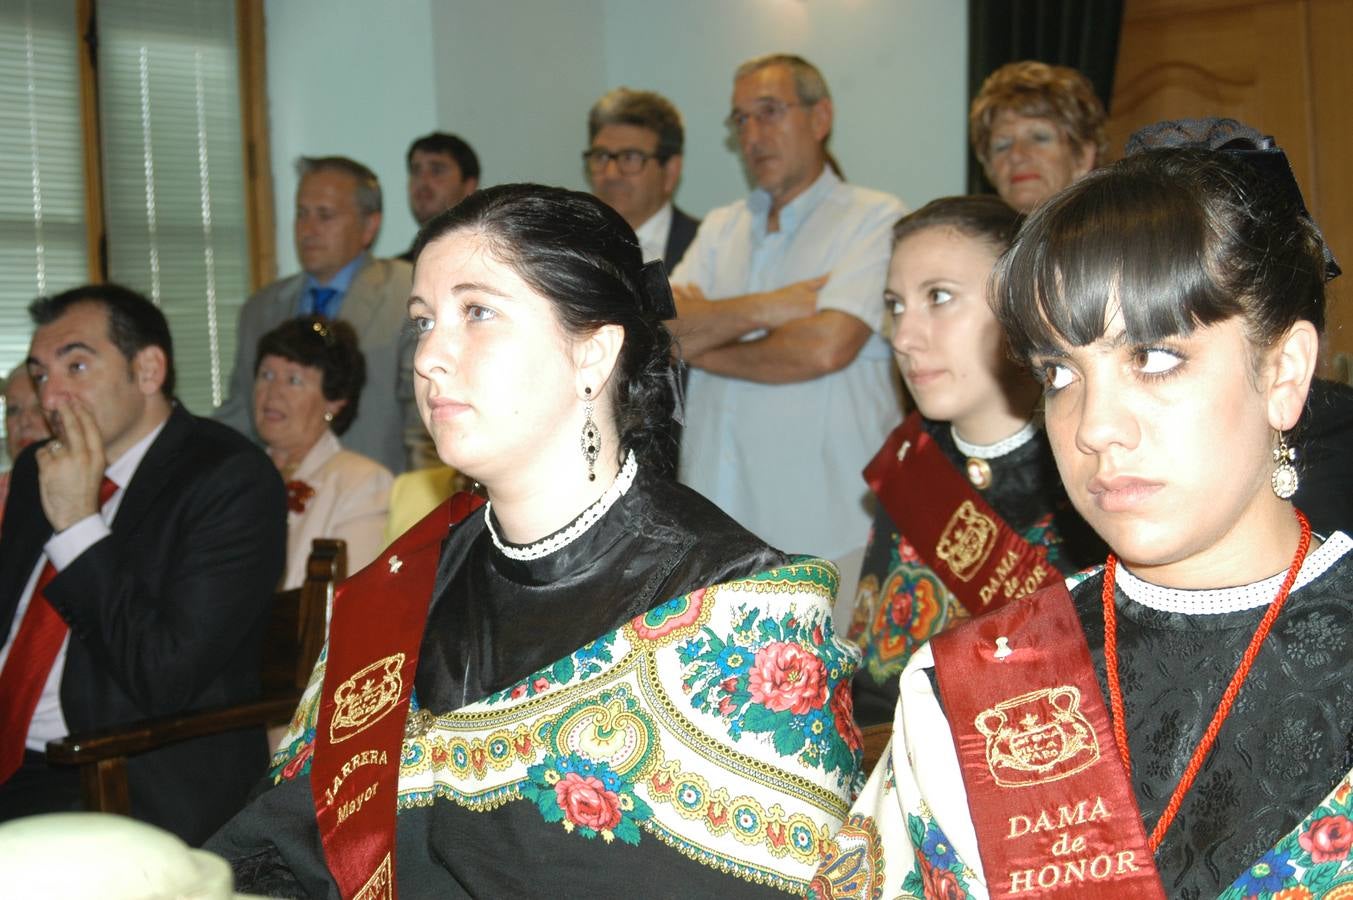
point(494, 622)
point(1286, 744)
point(901, 603)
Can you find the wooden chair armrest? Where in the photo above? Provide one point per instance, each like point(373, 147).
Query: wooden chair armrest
point(875, 741)
point(138, 737)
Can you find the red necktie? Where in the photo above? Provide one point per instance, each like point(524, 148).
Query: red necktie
point(30, 660)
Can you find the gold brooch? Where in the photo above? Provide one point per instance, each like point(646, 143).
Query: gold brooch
point(979, 473)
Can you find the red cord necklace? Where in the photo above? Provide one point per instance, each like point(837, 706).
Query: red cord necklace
point(1228, 696)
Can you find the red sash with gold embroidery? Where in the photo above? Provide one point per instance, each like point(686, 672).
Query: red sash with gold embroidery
point(374, 639)
point(1051, 803)
point(980, 558)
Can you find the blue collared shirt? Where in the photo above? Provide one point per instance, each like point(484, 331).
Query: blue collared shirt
point(340, 282)
point(785, 459)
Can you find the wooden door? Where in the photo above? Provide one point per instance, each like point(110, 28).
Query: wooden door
point(1282, 66)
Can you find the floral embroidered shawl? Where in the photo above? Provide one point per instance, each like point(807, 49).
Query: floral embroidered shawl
point(719, 724)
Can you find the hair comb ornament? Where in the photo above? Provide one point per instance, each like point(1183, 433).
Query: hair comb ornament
point(321, 329)
point(657, 290)
point(1259, 151)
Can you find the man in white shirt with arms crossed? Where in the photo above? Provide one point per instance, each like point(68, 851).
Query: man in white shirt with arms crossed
point(779, 303)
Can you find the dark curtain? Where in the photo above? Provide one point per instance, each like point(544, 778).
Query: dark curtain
point(1082, 34)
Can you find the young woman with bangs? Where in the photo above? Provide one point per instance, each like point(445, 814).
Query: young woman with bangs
point(1180, 723)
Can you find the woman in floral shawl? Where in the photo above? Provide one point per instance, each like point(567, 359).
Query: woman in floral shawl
point(615, 688)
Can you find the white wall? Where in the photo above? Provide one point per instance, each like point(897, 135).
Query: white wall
point(354, 79)
point(897, 71)
point(515, 78)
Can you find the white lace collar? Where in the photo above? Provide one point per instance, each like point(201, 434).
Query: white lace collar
point(574, 530)
point(1000, 448)
point(1233, 599)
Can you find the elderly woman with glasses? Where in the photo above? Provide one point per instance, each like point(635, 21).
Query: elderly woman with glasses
point(1036, 128)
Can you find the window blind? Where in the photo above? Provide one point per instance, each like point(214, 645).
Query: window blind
point(42, 231)
point(173, 171)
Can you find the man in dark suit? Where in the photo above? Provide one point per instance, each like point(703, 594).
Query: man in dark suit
point(139, 553)
point(338, 215)
point(634, 163)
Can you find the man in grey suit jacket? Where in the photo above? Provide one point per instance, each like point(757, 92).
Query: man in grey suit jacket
point(338, 214)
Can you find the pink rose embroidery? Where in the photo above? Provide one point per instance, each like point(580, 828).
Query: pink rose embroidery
point(586, 802)
point(1328, 839)
point(291, 768)
point(843, 711)
point(906, 552)
point(785, 676)
point(941, 884)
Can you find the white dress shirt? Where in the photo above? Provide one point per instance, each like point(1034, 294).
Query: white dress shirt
point(785, 459)
point(653, 233)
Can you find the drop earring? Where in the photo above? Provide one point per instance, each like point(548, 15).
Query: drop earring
point(1285, 478)
point(591, 439)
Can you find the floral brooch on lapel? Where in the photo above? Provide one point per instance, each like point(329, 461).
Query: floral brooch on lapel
point(298, 495)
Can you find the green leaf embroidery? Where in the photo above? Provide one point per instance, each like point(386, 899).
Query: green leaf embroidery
point(788, 741)
point(563, 670)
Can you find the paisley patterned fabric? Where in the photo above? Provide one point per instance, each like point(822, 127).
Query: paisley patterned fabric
point(1270, 815)
point(853, 865)
point(717, 724)
point(900, 603)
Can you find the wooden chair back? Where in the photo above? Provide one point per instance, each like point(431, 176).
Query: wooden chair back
point(876, 738)
point(296, 627)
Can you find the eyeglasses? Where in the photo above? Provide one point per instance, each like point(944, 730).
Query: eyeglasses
point(766, 113)
point(629, 162)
